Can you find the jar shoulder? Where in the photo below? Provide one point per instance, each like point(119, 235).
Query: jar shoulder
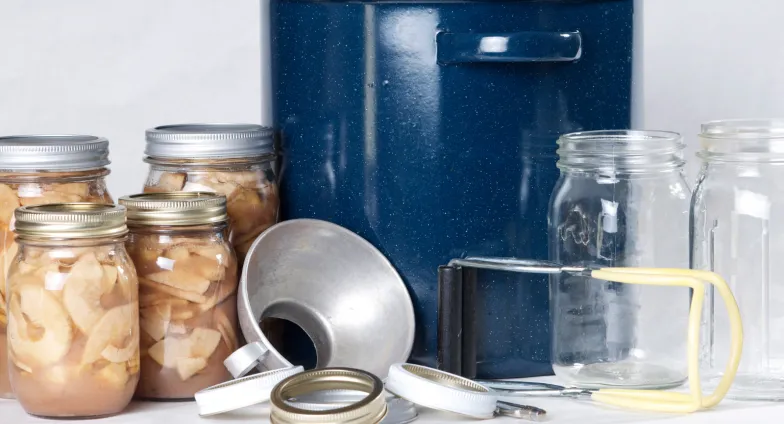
point(671, 189)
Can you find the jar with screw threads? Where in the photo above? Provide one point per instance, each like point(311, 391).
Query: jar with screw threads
point(621, 201)
point(188, 291)
point(235, 160)
point(73, 319)
point(39, 169)
point(737, 232)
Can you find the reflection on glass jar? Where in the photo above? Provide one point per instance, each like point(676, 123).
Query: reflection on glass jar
point(739, 194)
point(621, 201)
point(73, 325)
point(37, 170)
point(234, 160)
point(188, 291)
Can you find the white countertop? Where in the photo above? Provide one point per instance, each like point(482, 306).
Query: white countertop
point(559, 411)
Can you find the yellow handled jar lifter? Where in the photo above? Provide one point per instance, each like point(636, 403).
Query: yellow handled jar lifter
point(456, 347)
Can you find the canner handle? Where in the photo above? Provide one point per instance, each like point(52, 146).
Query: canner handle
point(517, 47)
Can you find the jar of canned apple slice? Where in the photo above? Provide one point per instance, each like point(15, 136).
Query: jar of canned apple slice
point(235, 160)
point(73, 325)
point(43, 169)
point(188, 291)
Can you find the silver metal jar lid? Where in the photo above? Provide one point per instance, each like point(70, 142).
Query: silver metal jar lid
point(242, 392)
point(27, 153)
point(208, 141)
point(442, 391)
point(183, 208)
point(371, 409)
point(70, 221)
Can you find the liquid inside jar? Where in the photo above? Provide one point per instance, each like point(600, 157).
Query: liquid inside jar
point(34, 189)
point(73, 330)
point(251, 195)
point(188, 307)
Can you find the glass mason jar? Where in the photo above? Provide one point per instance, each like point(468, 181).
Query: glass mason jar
point(235, 160)
point(73, 320)
point(621, 201)
point(188, 294)
point(740, 191)
point(39, 169)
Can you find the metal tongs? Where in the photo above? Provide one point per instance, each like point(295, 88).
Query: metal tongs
point(535, 389)
point(457, 329)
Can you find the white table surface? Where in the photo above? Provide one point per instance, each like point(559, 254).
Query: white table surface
point(558, 410)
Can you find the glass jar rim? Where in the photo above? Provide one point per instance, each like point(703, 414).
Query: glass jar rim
point(52, 176)
point(146, 229)
point(734, 129)
point(742, 140)
point(622, 135)
point(66, 242)
point(621, 151)
point(211, 162)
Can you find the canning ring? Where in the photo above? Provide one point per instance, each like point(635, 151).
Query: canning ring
point(439, 390)
point(244, 359)
point(399, 411)
point(370, 409)
point(242, 392)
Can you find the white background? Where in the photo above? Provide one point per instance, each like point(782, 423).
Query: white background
point(116, 67)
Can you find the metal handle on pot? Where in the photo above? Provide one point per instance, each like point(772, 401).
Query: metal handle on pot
point(457, 287)
point(523, 47)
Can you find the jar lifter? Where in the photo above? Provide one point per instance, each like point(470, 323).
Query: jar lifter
point(457, 325)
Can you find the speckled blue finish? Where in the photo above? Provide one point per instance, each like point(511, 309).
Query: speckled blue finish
point(431, 161)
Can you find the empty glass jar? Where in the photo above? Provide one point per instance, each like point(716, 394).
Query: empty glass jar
point(736, 234)
point(621, 201)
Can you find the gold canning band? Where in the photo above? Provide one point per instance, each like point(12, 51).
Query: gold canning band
point(59, 221)
point(175, 209)
point(369, 410)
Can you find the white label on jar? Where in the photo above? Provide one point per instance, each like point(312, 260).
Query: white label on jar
point(30, 190)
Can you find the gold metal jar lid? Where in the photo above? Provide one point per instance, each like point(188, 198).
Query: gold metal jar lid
point(70, 221)
point(175, 208)
point(369, 410)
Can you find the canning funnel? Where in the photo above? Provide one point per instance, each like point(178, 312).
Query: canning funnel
point(336, 287)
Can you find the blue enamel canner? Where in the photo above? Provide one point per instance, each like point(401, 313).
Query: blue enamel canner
point(429, 128)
